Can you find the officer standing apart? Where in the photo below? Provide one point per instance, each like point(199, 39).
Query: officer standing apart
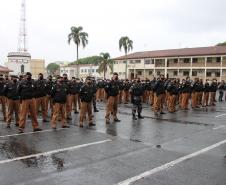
point(86, 96)
point(112, 90)
point(26, 92)
point(137, 91)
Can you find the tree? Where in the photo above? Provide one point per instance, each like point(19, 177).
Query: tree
point(127, 45)
point(221, 44)
point(88, 60)
point(78, 37)
point(105, 63)
point(52, 68)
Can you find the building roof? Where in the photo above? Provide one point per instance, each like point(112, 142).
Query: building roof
point(201, 51)
point(19, 54)
point(5, 69)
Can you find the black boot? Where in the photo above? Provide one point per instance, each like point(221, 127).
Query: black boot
point(140, 117)
point(96, 110)
point(134, 117)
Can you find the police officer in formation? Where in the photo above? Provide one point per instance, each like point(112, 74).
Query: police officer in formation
point(22, 96)
point(137, 91)
point(86, 94)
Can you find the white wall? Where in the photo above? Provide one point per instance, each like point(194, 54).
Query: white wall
point(15, 63)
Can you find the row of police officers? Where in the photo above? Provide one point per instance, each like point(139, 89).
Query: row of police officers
point(24, 97)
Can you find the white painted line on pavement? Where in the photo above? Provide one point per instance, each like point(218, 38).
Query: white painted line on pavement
point(170, 164)
point(221, 126)
point(220, 115)
point(54, 151)
point(27, 133)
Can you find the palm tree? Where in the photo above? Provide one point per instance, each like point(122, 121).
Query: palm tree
point(105, 63)
point(78, 37)
point(127, 45)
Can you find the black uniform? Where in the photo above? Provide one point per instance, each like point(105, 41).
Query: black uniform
point(137, 91)
point(59, 93)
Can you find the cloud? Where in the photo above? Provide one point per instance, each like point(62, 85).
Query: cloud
point(151, 24)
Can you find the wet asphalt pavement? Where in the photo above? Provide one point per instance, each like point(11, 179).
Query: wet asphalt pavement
point(185, 148)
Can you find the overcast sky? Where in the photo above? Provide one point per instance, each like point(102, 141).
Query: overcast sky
point(151, 24)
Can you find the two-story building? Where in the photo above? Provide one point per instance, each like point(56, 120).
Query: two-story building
point(84, 70)
point(203, 62)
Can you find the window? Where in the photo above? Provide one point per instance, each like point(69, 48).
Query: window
point(209, 60)
point(124, 62)
point(147, 62)
point(137, 61)
point(158, 73)
point(186, 60)
point(85, 70)
point(218, 59)
point(208, 74)
point(194, 73)
point(131, 62)
point(62, 71)
point(185, 73)
point(217, 74)
point(116, 62)
point(139, 72)
point(152, 61)
point(22, 68)
point(175, 61)
point(93, 70)
point(120, 73)
point(194, 60)
point(175, 73)
point(150, 72)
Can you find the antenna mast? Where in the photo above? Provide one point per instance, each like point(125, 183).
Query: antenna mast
point(22, 39)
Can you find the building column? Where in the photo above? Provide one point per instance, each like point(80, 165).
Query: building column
point(178, 70)
point(191, 68)
point(144, 74)
point(154, 67)
point(165, 67)
point(134, 73)
point(205, 68)
point(126, 70)
point(221, 71)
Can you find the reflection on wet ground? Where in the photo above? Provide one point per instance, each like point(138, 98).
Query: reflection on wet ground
point(136, 146)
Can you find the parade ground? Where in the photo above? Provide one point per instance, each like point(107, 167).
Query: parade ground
point(183, 148)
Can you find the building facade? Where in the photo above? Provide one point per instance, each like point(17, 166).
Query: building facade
point(204, 63)
point(84, 71)
point(37, 66)
point(19, 62)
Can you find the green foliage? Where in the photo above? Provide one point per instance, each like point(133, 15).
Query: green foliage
point(88, 60)
point(105, 63)
point(52, 68)
point(126, 44)
point(78, 37)
point(222, 44)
